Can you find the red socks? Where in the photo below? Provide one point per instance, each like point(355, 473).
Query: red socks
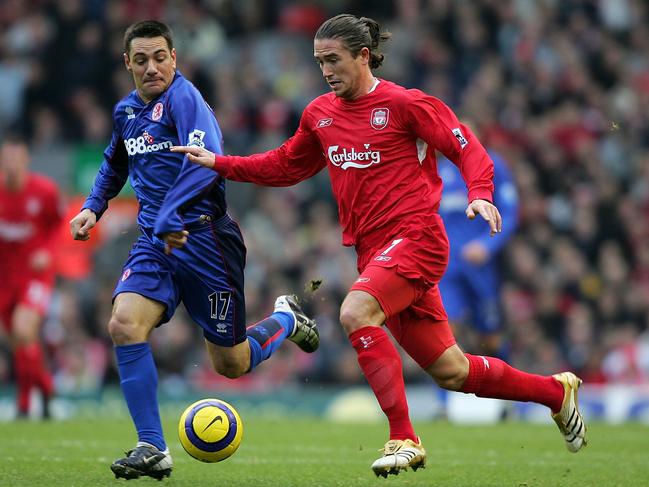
point(381, 364)
point(30, 372)
point(491, 377)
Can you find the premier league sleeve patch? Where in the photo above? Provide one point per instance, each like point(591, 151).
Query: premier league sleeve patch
point(196, 137)
point(460, 137)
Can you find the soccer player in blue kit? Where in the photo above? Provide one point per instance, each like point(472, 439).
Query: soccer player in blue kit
point(189, 249)
point(470, 287)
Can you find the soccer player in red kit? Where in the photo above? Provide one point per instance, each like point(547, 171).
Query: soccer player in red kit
point(378, 141)
point(30, 215)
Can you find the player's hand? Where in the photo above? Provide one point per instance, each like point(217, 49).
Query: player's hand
point(81, 224)
point(174, 240)
point(487, 211)
point(198, 155)
point(40, 260)
point(475, 253)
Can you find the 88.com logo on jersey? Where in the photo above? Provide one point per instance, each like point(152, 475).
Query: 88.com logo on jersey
point(145, 143)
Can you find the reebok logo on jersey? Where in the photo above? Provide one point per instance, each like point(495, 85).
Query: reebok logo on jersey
point(144, 144)
point(460, 137)
point(346, 158)
point(195, 137)
point(324, 122)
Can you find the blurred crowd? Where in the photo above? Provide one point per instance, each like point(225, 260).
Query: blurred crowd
point(559, 88)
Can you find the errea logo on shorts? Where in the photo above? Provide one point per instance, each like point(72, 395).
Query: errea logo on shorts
point(145, 143)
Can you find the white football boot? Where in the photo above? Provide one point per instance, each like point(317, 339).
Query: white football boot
point(569, 419)
point(399, 455)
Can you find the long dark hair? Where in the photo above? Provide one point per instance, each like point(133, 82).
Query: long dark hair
point(356, 33)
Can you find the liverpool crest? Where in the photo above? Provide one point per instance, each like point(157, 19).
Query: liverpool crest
point(379, 118)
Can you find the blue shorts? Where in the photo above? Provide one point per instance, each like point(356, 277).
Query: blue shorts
point(471, 295)
point(206, 275)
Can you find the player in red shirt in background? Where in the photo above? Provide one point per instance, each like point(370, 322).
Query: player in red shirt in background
point(378, 141)
point(30, 216)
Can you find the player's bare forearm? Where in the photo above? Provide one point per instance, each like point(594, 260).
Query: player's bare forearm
point(197, 155)
point(489, 212)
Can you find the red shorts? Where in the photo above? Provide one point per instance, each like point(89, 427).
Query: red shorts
point(34, 293)
point(402, 276)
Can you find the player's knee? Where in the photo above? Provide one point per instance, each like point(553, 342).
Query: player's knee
point(123, 331)
point(450, 370)
point(351, 319)
point(359, 309)
point(231, 370)
point(452, 379)
point(22, 337)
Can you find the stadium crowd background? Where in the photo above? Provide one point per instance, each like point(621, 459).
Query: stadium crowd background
point(559, 88)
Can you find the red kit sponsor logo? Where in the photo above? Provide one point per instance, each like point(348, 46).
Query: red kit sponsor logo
point(156, 114)
point(324, 122)
point(345, 158)
point(379, 118)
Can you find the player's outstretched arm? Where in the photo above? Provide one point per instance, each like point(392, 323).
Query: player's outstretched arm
point(198, 155)
point(487, 211)
point(81, 224)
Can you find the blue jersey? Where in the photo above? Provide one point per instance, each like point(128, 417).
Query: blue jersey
point(453, 205)
point(207, 274)
point(468, 289)
point(173, 193)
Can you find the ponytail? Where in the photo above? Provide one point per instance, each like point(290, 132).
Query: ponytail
point(356, 33)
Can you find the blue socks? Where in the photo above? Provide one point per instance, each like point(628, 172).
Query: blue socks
point(266, 336)
point(139, 381)
point(139, 376)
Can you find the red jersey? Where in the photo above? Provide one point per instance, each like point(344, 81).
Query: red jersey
point(380, 152)
point(29, 221)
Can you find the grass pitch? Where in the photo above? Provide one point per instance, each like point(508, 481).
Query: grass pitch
point(308, 452)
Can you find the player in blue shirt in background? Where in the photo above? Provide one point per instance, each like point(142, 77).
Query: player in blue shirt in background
point(189, 249)
point(471, 286)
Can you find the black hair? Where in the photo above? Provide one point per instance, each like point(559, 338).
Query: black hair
point(147, 28)
point(356, 33)
point(14, 138)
